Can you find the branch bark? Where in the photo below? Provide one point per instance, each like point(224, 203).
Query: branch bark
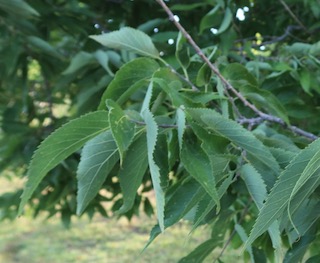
point(227, 84)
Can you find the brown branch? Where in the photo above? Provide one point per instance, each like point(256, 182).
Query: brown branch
point(292, 14)
point(227, 84)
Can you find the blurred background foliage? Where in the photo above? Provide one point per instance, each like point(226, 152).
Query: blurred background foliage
point(50, 72)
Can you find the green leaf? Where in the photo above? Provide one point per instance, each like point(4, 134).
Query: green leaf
point(187, 195)
point(130, 39)
point(128, 79)
point(305, 80)
point(255, 184)
point(181, 122)
point(246, 83)
point(103, 58)
point(209, 19)
point(227, 19)
point(44, 46)
point(198, 165)
point(311, 168)
point(130, 176)
point(79, 61)
point(152, 134)
point(201, 252)
point(61, 144)
point(280, 194)
point(182, 52)
point(122, 128)
point(98, 157)
point(233, 131)
point(258, 191)
point(243, 235)
point(18, 8)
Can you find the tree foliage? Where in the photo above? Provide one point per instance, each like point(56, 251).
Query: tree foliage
point(215, 110)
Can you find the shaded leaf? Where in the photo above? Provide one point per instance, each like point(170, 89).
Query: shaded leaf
point(198, 165)
point(44, 46)
point(134, 167)
point(98, 157)
point(79, 61)
point(18, 8)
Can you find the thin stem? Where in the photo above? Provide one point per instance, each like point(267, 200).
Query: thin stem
point(292, 14)
point(227, 84)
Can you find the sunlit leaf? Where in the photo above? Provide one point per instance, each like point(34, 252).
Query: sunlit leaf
point(122, 128)
point(59, 145)
point(279, 197)
point(129, 39)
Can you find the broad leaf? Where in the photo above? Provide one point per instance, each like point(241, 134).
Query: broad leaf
point(79, 61)
point(61, 144)
point(233, 131)
point(129, 79)
point(279, 197)
point(134, 167)
point(121, 127)
point(98, 157)
point(242, 79)
point(198, 165)
point(130, 39)
point(18, 8)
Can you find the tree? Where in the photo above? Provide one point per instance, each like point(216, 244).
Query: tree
point(215, 109)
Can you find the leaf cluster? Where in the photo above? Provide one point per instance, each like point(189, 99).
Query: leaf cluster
point(149, 115)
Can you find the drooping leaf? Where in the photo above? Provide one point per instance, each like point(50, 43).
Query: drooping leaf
point(201, 252)
point(122, 128)
point(243, 235)
point(279, 196)
point(227, 19)
point(246, 83)
point(79, 61)
point(130, 176)
point(59, 145)
point(233, 131)
point(152, 134)
point(182, 52)
point(209, 19)
point(254, 183)
point(44, 46)
point(128, 79)
point(311, 168)
point(258, 192)
point(198, 165)
point(187, 195)
point(103, 58)
point(181, 122)
point(130, 39)
point(98, 157)
point(18, 8)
